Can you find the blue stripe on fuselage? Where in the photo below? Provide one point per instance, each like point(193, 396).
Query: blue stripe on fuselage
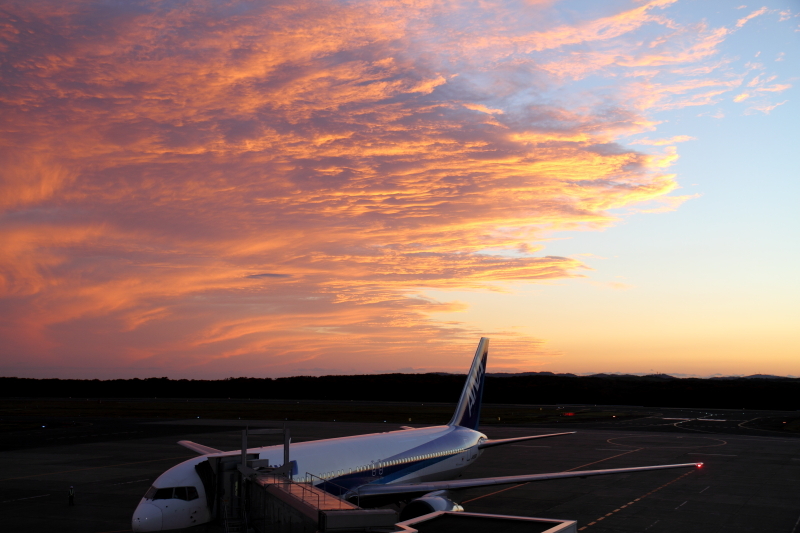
point(347, 482)
point(455, 442)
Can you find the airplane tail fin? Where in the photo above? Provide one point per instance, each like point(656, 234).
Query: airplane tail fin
point(468, 411)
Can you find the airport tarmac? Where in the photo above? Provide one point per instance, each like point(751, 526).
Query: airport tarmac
point(749, 481)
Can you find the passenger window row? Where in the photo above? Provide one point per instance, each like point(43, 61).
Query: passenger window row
point(172, 493)
point(384, 464)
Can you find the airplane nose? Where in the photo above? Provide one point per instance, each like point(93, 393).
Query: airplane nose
point(147, 517)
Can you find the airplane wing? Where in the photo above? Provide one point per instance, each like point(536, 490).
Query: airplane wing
point(500, 442)
point(198, 448)
point(423, 488)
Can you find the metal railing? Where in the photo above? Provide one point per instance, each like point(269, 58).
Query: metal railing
point(314, 493)
point(307, 493)
point(340, 493)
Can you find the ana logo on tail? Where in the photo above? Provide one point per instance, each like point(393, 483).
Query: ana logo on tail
point(468, 412)
point(474, 385)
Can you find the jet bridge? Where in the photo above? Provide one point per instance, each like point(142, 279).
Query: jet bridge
point(278, 503)
point(461, 522)
point(226, 478)
point(247, 493)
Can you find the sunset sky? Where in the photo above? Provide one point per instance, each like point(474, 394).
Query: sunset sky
point(205, 189)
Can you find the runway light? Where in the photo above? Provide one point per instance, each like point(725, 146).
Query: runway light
point(699, 465)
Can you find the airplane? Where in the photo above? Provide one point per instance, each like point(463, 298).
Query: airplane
point(420, 466)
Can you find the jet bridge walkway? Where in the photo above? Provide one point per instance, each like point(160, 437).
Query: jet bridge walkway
point(279, 504)
point(310, 496)
point(249, 493)
point(461, 522)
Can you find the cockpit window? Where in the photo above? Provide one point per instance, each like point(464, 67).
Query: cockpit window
point(169, 493)
point(163, 494)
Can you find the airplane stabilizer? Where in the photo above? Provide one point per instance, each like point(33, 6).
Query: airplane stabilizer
point(198, 448)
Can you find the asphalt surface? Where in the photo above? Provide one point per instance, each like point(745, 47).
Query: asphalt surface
point(749, 481)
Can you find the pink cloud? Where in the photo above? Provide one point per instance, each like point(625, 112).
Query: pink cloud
point(665, 142)
point(257, 188)
point(765, 108)
point(744, 20)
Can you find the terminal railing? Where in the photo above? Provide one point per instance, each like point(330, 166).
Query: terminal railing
point(302, 491)
point(338, 491)
point(316, 491)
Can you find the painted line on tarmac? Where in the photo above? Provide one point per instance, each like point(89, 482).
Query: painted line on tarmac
point(28, 498)
point(606, 459)
point(570, 470)
point(796, 524)
point(99, 467)
point(621, 507)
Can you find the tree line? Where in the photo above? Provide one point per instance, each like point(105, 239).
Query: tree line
point(648, 391)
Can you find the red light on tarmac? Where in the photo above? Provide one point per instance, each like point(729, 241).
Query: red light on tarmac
point(699, 465)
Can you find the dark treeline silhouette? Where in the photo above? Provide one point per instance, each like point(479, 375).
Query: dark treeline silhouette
point(649, 391)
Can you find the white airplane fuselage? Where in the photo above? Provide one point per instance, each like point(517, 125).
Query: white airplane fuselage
point(407, 456)
point(419, 466)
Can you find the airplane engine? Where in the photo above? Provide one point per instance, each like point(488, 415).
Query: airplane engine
point(430, 503)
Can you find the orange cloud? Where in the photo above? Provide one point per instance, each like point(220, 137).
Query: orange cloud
point(258, 188)
point(766, 108)
point(665, 142)
point(604, 28)
point(679, 94)
point(27, 179)
point(757, 86)
point(742, 21)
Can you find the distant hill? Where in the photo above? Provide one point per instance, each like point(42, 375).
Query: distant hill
point(658, 390)
point(634, 376)
point(508, 375)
